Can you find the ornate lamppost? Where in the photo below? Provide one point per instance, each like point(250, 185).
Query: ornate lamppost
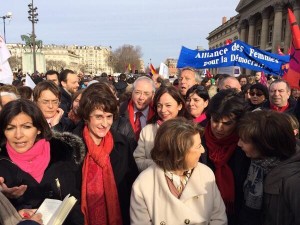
point(33, 19)
point(7, 16)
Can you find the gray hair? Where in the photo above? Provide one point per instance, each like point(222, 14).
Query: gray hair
point(197, 74)
point(144, 78)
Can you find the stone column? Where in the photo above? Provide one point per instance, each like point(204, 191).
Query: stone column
point(264, 29)
point(243, 27)
point(277, 28)
point(287, 38)
point(251, 31)
point(251, 36)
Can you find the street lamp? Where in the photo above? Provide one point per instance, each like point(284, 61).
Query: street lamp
point(7, 16)
point(33, 19)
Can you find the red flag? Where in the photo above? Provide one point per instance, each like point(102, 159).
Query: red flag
point(152, 69)
point(208, 74)
point(293, 74)
point(263, 79)
point(228, 41)
point(295, 29)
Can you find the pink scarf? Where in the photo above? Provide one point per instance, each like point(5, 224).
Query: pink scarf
point(34, 161)
point(200, 118)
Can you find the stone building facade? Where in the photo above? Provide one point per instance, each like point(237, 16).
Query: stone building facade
point(88, 59)
point(264, 24)
point(227, 31)
point(261, 23)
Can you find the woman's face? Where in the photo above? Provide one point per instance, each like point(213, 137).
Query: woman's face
point(256, 96)
point(167, 107)
point(249, 149)
point(76, 103)
point(195, 104)
point(224, 127)
point(193, 154)
point(20, 133)
point(99, 124)
point(48, 103)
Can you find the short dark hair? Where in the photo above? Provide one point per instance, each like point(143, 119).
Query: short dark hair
point(242, 76)
point(226, 103)
point(270, 132)
point(97, 96)
point(63, 76)
point(51, 72)
point(261, 87)
point(46, 85)
point(14, 108)
point(25, 92)
point(173, 140)
point(198, 89)
point(173, 91)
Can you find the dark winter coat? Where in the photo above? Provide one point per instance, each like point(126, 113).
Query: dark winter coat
point(239, 165)
point(66, 155)
point(123, 112)
point(290, 109)
point(65, 101)
point(281, 205)
point(124, 168)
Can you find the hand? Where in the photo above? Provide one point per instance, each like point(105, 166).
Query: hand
point(29, 214)
point(37, 218)
point(55, 120)
point(13, 192)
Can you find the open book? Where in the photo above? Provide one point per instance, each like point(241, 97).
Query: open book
point(55, 211)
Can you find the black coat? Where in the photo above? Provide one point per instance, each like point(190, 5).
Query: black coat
point(124, 168)
point(281, 200)
point(239, 165)
point(65, 101)
point(66, 154)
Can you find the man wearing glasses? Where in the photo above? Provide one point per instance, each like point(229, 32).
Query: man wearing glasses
point(139, 108)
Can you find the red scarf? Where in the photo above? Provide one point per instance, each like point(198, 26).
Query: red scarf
point(279, 109)
point(130, 109)
point(100, 202)
point(219, 152)
point(34, 161)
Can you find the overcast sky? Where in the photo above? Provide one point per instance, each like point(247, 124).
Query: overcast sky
point(160, 27)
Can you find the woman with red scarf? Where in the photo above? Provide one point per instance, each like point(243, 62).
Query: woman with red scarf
point(109, 168)
point(222, 154)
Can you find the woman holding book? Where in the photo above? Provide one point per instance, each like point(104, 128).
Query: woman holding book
point(36, 163)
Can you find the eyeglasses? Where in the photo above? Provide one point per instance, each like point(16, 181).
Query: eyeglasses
point(258, 94)
point(48, 102)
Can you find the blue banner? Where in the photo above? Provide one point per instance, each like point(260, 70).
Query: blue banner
point(237, 53)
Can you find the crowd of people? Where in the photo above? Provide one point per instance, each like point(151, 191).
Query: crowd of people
point(216, 150)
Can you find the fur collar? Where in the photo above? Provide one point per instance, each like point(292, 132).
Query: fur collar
point(63, 145)
point(75, 144)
